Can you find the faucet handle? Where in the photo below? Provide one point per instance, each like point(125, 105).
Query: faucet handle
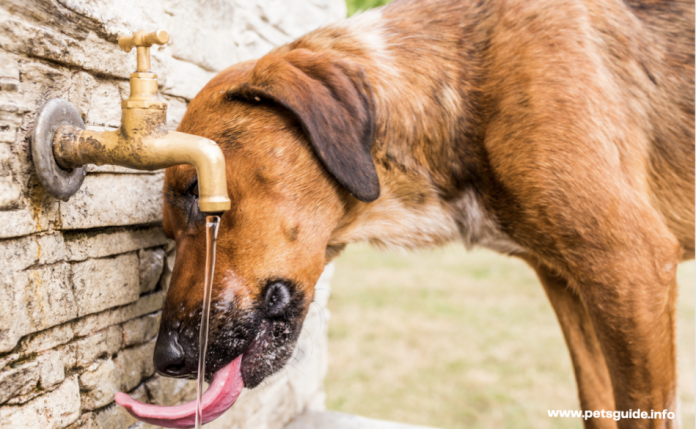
point(144, 39)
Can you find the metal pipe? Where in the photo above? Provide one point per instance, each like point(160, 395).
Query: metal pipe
point(61, 145)
point(149, 150)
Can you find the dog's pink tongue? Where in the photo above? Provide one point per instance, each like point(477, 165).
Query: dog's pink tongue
point(221, 394)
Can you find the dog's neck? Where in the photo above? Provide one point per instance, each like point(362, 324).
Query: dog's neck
point(427, 147)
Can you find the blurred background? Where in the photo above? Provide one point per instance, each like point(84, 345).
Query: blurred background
point(457, 339)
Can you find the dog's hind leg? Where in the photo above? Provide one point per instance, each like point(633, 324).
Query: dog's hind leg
point(591, 373)
point(629, 290)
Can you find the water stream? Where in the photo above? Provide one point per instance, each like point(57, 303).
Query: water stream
point(212, 223)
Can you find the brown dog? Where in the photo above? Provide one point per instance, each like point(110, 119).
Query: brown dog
point(558, 131)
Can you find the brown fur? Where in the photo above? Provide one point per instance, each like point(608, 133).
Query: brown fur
point(561, 132)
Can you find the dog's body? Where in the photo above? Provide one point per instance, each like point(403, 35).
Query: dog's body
point(561, 132)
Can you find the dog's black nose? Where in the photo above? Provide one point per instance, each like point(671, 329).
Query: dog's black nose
point(169, 356)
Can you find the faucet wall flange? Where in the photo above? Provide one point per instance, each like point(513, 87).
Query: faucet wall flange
point(57, 181)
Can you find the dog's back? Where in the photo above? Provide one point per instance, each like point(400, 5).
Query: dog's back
point(666, 48)
point(540, 70)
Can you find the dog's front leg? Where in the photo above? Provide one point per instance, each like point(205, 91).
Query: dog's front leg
point(591, 373)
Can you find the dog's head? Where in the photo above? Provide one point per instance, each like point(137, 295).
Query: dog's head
point(296, 128)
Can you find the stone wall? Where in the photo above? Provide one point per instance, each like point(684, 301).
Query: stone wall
point(82, 281)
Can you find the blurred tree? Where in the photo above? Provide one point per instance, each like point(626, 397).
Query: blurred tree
point(357, 5)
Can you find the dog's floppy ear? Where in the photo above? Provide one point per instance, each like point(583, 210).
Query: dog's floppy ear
point(332, 101)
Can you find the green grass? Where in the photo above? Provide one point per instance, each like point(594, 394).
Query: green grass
point(453, 339)
point(358, 5)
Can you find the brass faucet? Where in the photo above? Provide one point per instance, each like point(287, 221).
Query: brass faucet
point(61, 145)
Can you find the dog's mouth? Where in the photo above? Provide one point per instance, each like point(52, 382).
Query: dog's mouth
point(263, 354)
point(223, 392)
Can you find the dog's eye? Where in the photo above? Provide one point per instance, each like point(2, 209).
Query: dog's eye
point(193, 188)
point(277, 298)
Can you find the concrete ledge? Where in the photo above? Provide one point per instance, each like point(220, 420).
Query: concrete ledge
point(336, 420)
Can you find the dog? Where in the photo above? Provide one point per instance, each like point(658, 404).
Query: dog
point(557, 131)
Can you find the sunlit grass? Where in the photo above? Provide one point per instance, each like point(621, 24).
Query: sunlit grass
point(358, 5)
point(459, 340)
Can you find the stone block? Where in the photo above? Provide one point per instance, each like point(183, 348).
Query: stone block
point(176, 108)
point(8, 67)
point(119, 18)
point(105, 105)
point(21, 253)
point(114, 200)
point(150, 268)
point(185, 80)
point(136, 364)
point(8, 359)
point(51, 372)
point(48, 296)
point(170, 391)
point(101, 345)
point(52, 369)
point(13, 321)
point(115, 416)
point(92, 54)
point(10, 193)
point(95, 322)
point(100, 384)
point(9, 122)
point(7, 158)
point(86, 421)
point(142, 329)
point(17, 223)
point(68, 355)
point(105, 283)
point(168, 269)
point(41, 82)
point(19, 380)
point(53, 410)
point(210, 46)
point(48, 339)
point(80, 92)
point(81, 245)
point(297, 17)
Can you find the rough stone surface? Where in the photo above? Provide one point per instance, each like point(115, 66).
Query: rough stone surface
point(114, 416)
point(150, 269)
point(81, 245)
point(54, 410)
point(83, 280)
point(16, 223)
point(101, 345)
point(170, 391)
point(18, 381)
point(140, 330)
point(48, 296)
point(48, 339)
point(103, 283)
point(100, 383)
point(111, 200)
point(95, 322)
point(136, 364)
point(52, 369)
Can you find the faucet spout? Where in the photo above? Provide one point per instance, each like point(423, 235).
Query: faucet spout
point(61, 145)
point(74, 147)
